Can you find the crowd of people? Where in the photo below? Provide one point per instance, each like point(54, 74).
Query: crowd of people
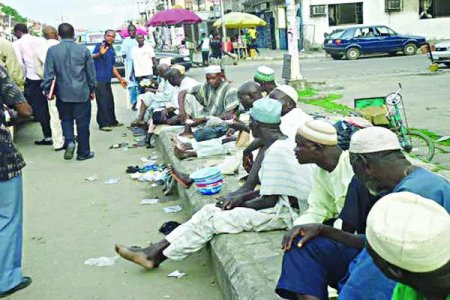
point(363, 220)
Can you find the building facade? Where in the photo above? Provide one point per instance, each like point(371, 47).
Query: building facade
point(429, 18)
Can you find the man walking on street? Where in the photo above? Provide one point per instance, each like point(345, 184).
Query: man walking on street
point(25, 47)
point(143, 61)
point(104, 59)
point(127, 46)
point(51, 39)
point(72, 67)
point(11, 164)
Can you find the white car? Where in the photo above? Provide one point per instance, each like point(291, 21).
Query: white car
point(441, 53)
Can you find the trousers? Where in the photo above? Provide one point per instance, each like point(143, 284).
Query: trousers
point(210, 220)
point(38, 101)
point(106, 115)
point(11, 196)
point(55, 125)
point(79, 112)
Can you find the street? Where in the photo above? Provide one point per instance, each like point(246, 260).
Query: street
point(69, 220)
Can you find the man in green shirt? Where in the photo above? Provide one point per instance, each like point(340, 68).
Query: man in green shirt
point(409, 241)
point(9, 61)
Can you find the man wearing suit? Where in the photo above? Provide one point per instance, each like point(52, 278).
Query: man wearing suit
point(72, 66)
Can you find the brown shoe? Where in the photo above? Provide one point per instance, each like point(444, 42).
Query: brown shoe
point(106, 128)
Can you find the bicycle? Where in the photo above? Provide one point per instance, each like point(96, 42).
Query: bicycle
point(412, 141)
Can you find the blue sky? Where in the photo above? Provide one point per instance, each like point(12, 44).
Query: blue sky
point(88, 14)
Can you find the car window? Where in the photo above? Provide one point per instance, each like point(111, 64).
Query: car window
point(385, 31)
point(336, 34)
point(364, 32)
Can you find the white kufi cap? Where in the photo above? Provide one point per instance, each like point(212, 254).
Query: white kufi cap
point(410, 232)
point(374, 139)
point(288, 90)
point(319, 131)
point(213, 69)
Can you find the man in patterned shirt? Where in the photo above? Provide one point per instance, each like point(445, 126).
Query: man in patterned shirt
point(11, 164)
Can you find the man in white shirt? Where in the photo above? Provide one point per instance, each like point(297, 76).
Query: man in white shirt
point(143, 61)
point(25, 47)
point(128, 45)
point(51, 39)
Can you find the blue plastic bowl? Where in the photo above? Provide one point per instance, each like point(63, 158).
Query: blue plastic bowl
point(211, 191)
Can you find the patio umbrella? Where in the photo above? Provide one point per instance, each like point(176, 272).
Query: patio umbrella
point(237, 20)
point(174, 16)
point(139, 30)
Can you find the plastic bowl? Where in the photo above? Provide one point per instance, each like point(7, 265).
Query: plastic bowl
point(211, 191)
point(209, 181)
point(209, 185)
point(205, 173)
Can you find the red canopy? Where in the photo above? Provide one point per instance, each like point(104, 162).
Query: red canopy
point(173, 17)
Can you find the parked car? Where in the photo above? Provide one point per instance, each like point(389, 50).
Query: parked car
point(353, 41)
point(441, 53)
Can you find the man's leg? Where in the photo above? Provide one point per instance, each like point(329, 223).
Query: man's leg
point(308, 271)
point(111, 113)
point(193, 235)
point(193, 108)
point(38, 101)
point(101, 96)
point(55, 124)
point(66, 115)
point(132, 92)
point(82, 113)
point(10, 233)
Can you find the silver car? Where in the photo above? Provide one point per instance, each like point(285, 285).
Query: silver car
point(441, 53)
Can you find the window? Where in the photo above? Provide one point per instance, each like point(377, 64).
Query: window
point(393, 5)
point(434, 8)
point(385, 31)
point(347, 13)
point(364, 32)
point(318, 10)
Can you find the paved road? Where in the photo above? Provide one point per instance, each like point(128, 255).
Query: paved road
point(68, 220)
point(425, 94)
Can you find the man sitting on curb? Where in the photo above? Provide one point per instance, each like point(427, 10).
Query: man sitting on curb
point(323, 255)
point(265, 77)
point(408, 239)
point(267, 209)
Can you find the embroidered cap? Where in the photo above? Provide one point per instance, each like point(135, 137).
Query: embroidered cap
point(266, 110)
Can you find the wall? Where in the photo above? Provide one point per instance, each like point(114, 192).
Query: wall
point(407, 21)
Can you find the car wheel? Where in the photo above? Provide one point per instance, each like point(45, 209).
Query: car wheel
point(410, 49)
point(352, 53)
point(336, 56)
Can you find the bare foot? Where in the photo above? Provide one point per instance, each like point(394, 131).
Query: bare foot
point(183, 154)
point(180, 145)
point(187, 131)
point(137, 255)
point(181, 178)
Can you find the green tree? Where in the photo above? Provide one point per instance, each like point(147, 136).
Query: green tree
point(8, 10)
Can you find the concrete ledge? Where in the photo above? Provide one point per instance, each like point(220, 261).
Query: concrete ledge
point(247, 265)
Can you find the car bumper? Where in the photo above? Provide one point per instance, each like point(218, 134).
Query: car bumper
point(330, 50)
point(441, 56)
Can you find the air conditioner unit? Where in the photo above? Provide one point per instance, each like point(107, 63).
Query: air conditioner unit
point(318, 10)
point(393, 5)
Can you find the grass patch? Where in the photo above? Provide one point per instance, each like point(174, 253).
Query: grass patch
point(434, 136)
point(307, 93)
point(329, 105)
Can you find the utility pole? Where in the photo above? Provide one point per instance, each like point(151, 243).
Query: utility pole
point(224, 31)
point(296, 78)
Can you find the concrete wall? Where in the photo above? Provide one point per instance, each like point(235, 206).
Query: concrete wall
point(407, 21)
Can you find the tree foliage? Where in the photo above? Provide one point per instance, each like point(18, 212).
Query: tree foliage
point(8, 10)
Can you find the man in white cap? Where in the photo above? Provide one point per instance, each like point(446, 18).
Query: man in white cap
point(265, 76)
point(268, 208)
point(409, 241)
point(318, 255)
point(214, 97)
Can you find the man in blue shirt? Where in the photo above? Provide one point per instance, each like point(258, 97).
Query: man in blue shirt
point(104, 60)
point(318, 255)
point(127, 46)
point(72, 67)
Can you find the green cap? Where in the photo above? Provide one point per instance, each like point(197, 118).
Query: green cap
point(264, 74)
point(266, 110)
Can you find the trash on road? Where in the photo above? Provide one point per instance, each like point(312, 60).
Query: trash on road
point(92, 178)
point(112, 181)
point(176, 274)
point(149, 201)
point(120, 145)
point(172, 209)
point(102, 261)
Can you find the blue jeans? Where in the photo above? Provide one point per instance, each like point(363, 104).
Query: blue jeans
point(79, 112)
point(10, 233)
point(133, 91)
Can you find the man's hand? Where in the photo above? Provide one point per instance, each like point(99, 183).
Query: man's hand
point(307, 231)
point(103, 49)
point(247, 162)
point(123, 83)
point(92, 96)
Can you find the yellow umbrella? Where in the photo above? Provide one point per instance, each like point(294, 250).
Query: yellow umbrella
point(237, 20)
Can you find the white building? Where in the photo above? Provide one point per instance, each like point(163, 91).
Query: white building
point(429, 18)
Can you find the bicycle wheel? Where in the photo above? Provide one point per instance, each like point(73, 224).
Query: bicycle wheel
point(422, 146)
